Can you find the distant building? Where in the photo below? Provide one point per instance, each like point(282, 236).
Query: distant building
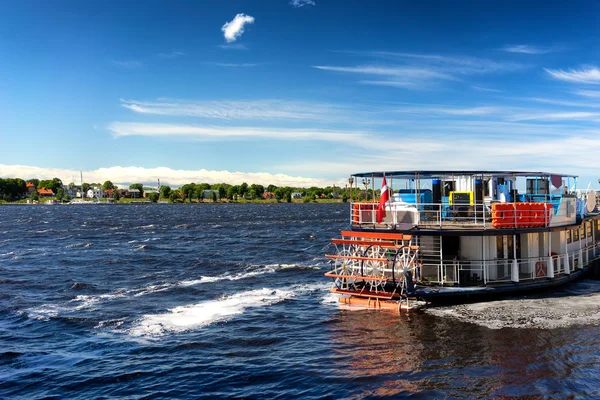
point(73, 191)
point(31, 190)
point(132, 193)
point(296, 195)
point(268, 195)
point(208, 194)
point(149, 191)
point(43, 192)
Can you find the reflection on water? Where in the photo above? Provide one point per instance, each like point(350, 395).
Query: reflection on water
point(393, 355)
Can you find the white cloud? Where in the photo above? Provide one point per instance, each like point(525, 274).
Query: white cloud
point(268, 110)
point(400, 72)
point(463, 65)
point(171, 55)
point(526, 49)
point(589, 75)
point(167, 176)
point(473, 111)
point(588, 93)
point(120, 129)
point(485, 89)
point(419, 71)
point(577, 115)
point(302, 3)
point(233, 29)
point(462, 152)
point(232, 65)
point(128, 64)
point(257, 109)
point(233, 46)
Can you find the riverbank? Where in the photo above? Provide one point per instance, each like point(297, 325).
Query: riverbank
point(196, 202)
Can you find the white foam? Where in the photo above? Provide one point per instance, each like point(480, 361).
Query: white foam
point(205, 313)
point(547, 313)
point(242, 275)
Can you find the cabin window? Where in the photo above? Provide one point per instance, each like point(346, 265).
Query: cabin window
point(499, 247)
point(581, 232)
point(569, 236)
point(576, 234)
point(588, 229)
point(597, 229)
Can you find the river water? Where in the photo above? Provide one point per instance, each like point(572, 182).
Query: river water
point(229, 301)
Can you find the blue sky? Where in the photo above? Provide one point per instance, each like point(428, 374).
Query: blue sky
point(302, 92)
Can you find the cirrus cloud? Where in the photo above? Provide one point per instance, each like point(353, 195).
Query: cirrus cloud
point(589, 75)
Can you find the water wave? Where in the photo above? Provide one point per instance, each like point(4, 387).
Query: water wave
point(195, 316)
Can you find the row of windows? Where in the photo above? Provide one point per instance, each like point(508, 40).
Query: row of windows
point(583, 231)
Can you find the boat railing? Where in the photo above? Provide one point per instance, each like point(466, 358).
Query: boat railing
point(465, 272)
point(429, 215)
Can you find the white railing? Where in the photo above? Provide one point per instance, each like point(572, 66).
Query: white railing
point(444, 216)
point(482, 272)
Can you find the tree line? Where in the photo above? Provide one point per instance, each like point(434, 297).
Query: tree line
point(12, 189)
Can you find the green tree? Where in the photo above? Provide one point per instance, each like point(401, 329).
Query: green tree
point(107, 185)
point(153, 197)
point(279, 193)
point(12, 188)
point(243, 189)
point(59, 194)
point(288, 196)
point(35, 182)
point(53, 184)
point(175, 196)
point(188, 190)
point(231, 193)
point(67, 197)
point(116, 195)
point(214, 197)
point(85, 187)
point(258, 190)
point(271, 188)
point(165, 191)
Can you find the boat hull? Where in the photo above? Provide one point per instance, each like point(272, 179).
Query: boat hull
point(457, 294)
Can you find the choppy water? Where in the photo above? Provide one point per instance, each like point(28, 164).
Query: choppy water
point(205, 301)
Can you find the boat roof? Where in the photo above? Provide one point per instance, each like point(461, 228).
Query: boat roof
point(423, 174)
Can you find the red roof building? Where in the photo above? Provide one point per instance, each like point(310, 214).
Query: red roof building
point(45, 192)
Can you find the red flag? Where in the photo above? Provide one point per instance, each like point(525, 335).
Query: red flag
point(383, 198)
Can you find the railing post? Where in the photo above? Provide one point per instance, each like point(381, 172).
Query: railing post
point(567, 266)
point(550, 267)
point(515, 271)
point(580, 257)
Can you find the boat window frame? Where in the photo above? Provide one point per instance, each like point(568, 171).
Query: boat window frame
point(569, 235)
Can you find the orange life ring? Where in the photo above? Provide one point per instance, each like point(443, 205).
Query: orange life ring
point(540, 269)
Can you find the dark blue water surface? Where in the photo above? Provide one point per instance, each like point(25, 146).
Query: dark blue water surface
point(193, 301)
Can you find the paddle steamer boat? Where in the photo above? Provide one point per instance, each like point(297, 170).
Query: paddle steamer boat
point(459, 235)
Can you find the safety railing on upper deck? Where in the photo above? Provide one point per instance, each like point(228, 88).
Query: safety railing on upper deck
point(444, 216)
point(465, 272)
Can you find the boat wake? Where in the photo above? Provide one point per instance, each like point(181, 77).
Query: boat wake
point(544, 313)
point(198, 315)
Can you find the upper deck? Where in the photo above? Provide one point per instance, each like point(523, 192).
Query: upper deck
point(468, 200)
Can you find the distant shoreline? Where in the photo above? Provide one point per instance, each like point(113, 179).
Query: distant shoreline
point(20, 203)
